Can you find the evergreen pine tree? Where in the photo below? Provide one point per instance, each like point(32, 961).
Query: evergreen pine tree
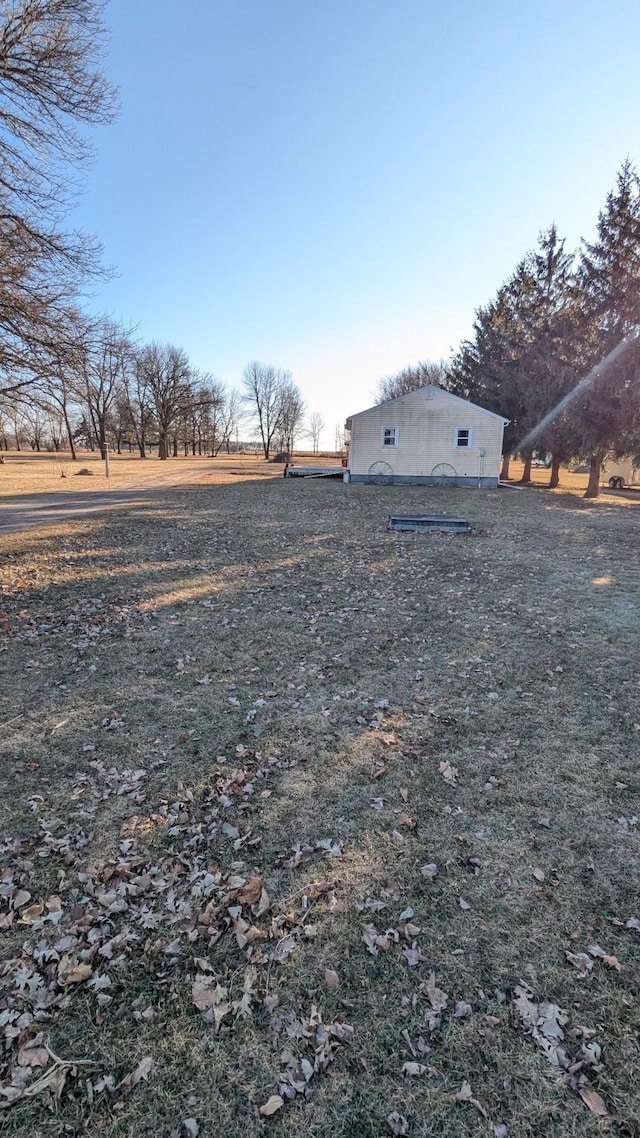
point(606, 417)
point(518, 363)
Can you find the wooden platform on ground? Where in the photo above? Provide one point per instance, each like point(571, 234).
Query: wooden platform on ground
point(426, 523)
point(314, 472)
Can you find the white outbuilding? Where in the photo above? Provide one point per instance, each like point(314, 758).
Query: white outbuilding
point(426, 436)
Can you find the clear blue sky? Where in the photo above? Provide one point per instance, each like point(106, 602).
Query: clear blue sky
point(333, 186)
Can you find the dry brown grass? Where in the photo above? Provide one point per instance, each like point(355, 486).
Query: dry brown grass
point(28, 473)
point(328, 647)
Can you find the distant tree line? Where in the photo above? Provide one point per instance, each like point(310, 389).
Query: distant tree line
point(115, 394)
point(557, 350)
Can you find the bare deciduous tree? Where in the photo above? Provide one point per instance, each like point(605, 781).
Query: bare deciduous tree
point(315, 429)
point(231, 417)
point(51, 88)
point(291, 412)
point(99, 370)
point(412, 378)
point(34, 423)
point(168, 377)
point(262, 385)
point(275, 402)
point(138, 400)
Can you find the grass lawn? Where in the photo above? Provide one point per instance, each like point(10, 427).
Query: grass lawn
point(303, 815)
point(26, 473)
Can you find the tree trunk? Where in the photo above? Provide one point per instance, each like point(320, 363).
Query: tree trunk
point(593, 486)
point(162, 447)
point(555, 473)
point(69, 435)
point(526, 473)
point(504, 473)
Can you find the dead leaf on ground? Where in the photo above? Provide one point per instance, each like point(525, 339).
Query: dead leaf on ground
point(404, 819)
point(429, 870)
point(33, 1056)
point(462, 1009)
point(414, 1069)
point(72, 972)
point(436, 997)
point(449, 773)
point(317, 888)
point(397, 1123)
point(610, 961)
point(30, 915)
point(283, 949)
point(251, 892)
point(208, 995)
point(142, 1071)
point(413, 956)
point(465, 1094)
point(594, 1101)
point(581, 961)
point(545, 1021)
point(331, 978)
point(273, 1104)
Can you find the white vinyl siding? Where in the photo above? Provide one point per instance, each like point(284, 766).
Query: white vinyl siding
point(426, 434)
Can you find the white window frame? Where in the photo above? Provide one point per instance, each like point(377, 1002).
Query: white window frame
point(456, 438)
point(396, 436)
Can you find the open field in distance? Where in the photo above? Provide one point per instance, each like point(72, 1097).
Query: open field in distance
point(25, 472)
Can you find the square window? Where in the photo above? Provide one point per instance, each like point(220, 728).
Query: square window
point(463, 437)
point(389, 436)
